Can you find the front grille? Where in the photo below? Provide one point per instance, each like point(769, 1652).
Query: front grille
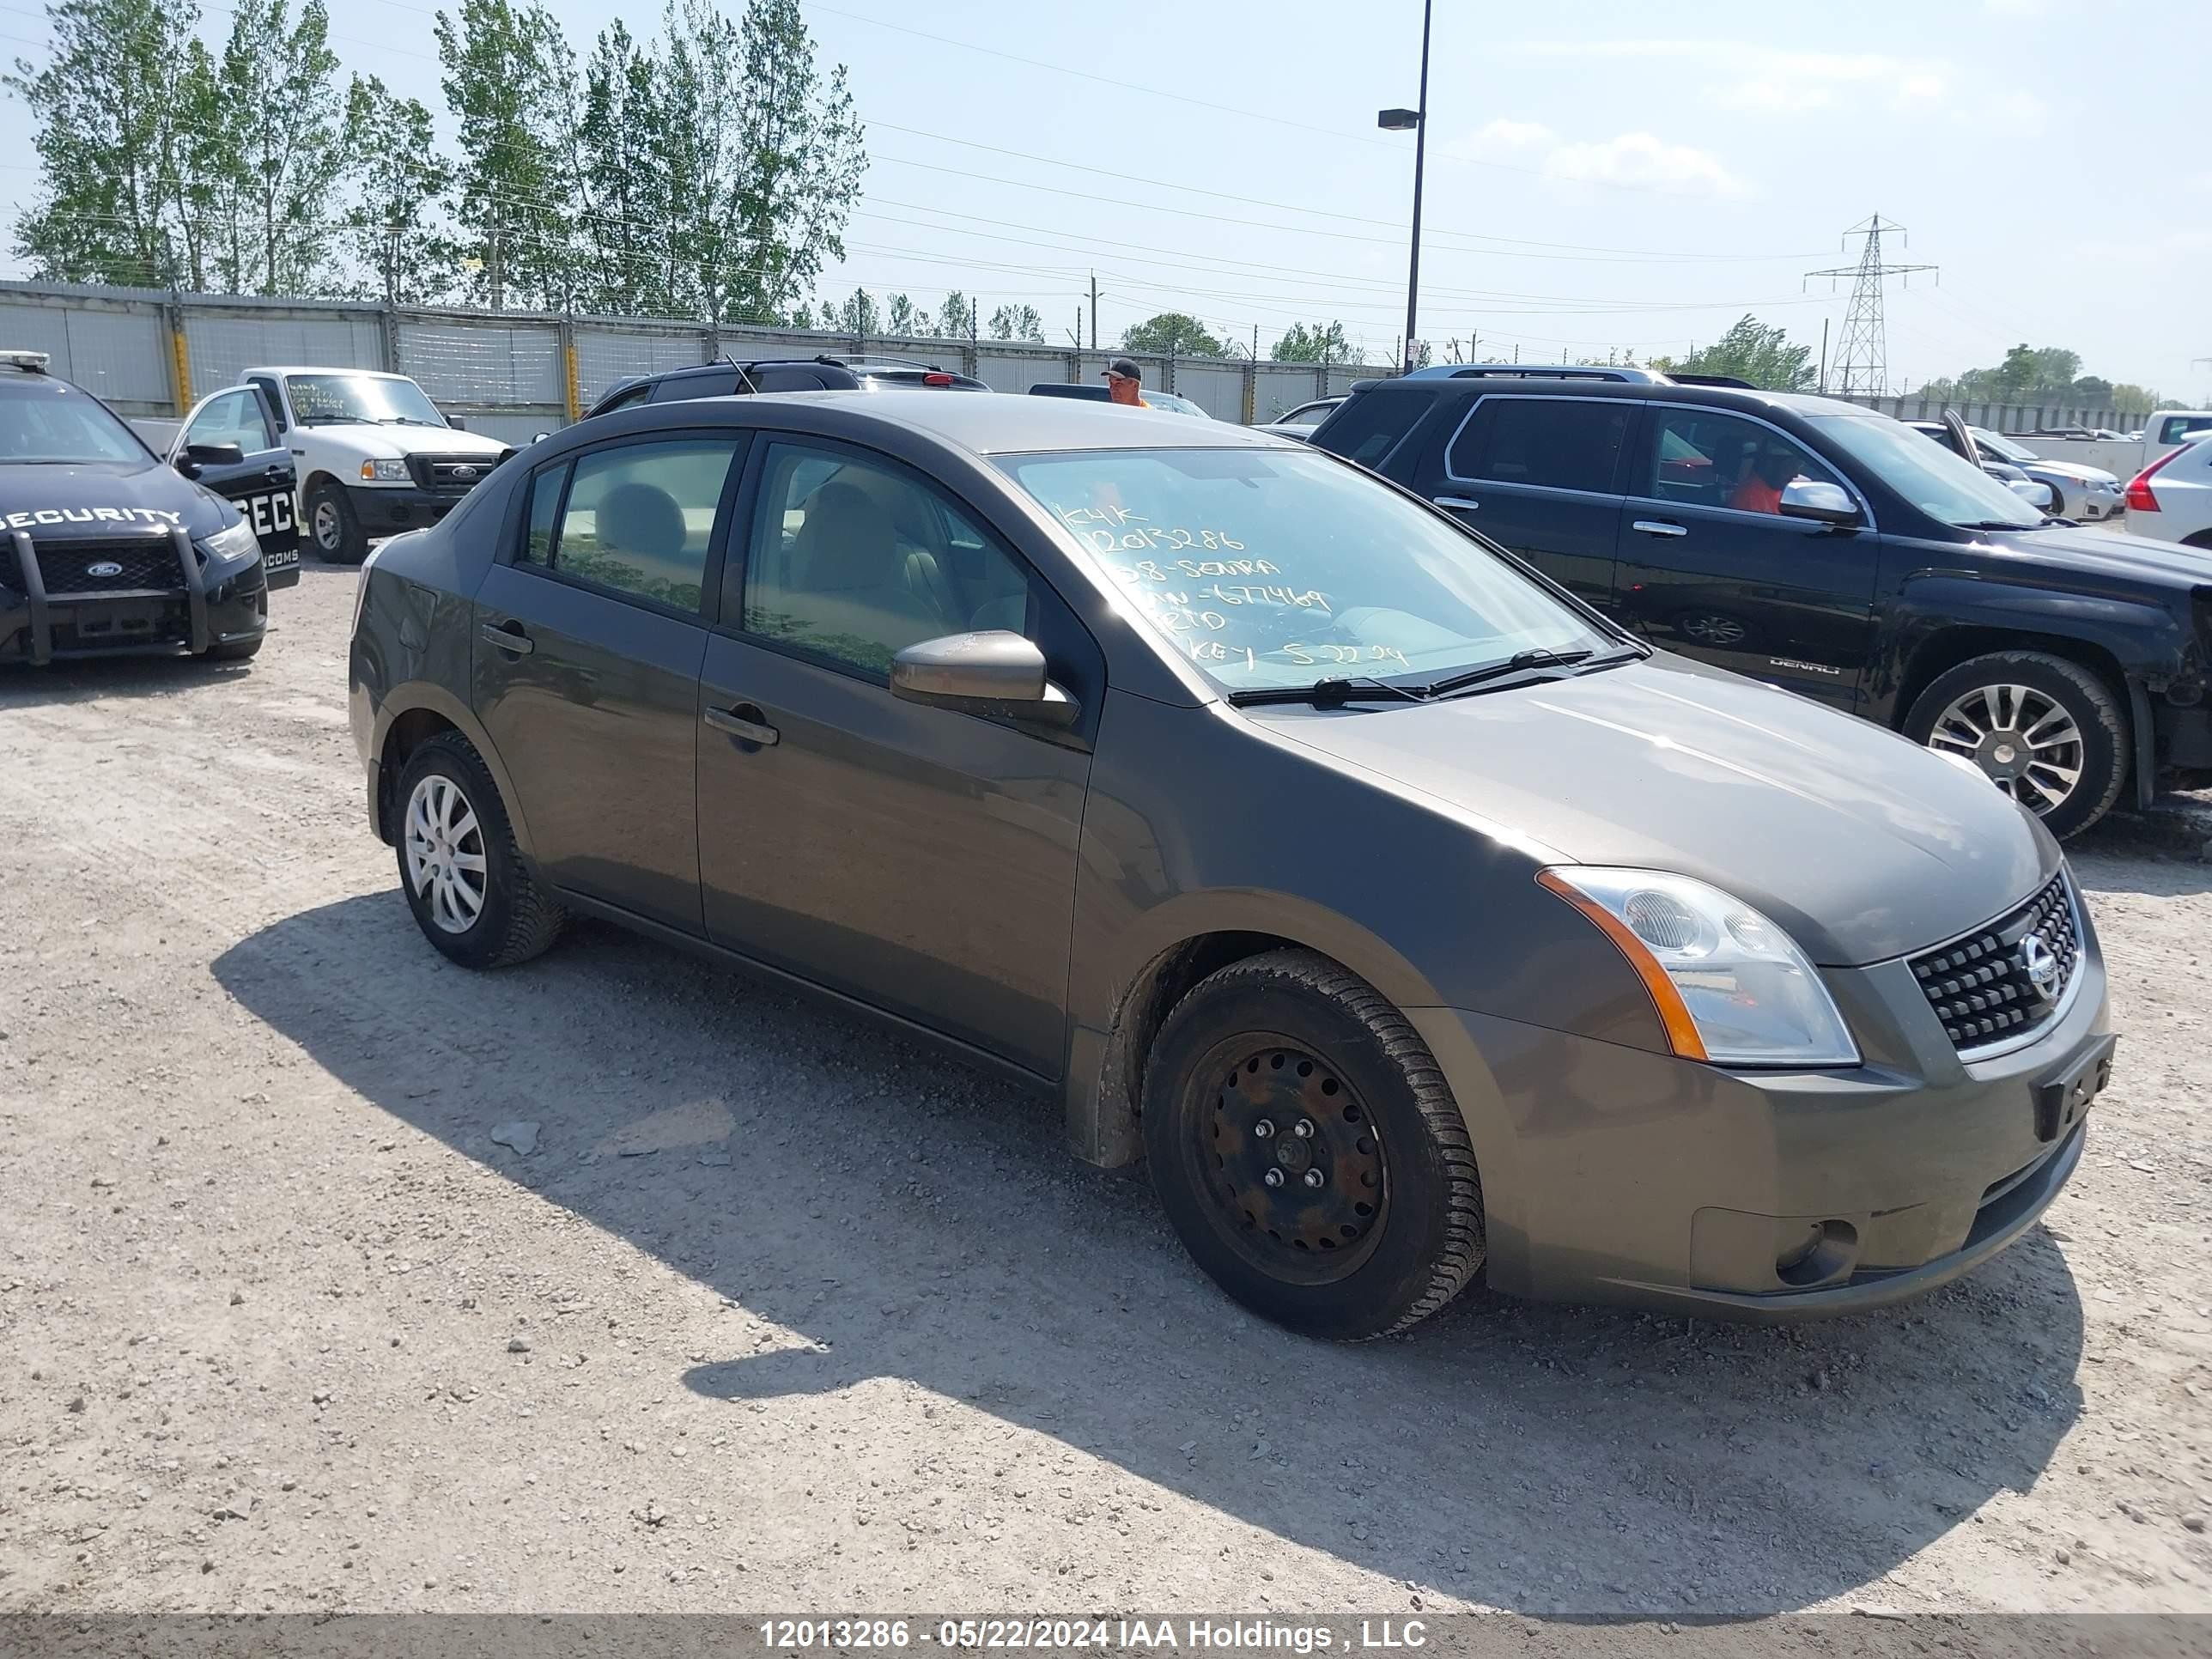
point(450, 475)
point(142, 563)
point(1983, 987)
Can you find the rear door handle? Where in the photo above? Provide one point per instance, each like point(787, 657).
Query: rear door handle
point(734, 721)
point(1463, 503)
point(509, 636)
point(1659, 527)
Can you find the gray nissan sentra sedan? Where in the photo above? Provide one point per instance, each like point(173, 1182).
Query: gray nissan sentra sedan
point(1411, 920)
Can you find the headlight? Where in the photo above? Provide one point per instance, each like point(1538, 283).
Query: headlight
point(236, 543)
point(384, 471)
point(1731, 986)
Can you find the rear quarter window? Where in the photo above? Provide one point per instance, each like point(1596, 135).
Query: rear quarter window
point(1369, 425)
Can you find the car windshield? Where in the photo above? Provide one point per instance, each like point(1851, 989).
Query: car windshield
point(1268, 569)
point(368, 399)
point(2004, 448)
point(1939, 483)
point(43, 422)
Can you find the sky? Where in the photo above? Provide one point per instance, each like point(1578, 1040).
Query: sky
point(1599, 176)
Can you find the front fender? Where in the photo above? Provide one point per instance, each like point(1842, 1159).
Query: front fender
point(2148, 641)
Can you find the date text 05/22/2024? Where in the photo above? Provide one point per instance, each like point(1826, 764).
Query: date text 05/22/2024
point(1204, 1635)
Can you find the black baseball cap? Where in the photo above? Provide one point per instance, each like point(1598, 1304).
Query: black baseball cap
point(1125, 366)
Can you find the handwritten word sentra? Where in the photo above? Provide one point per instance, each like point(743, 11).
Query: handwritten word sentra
point(1151, 570)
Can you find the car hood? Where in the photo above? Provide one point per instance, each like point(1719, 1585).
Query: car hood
point(1863, 845)
point(394, 443)
point(2078, 473)
point(2111, 553)
point(107, 499)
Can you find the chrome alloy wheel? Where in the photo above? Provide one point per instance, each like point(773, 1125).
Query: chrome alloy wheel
point(2023, 740)
point(446, 853)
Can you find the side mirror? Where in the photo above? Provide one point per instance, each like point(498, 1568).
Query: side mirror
point(456, 422)
point(994, 672)
point(2034, 491)
point(1806, 498)
point(195, 456)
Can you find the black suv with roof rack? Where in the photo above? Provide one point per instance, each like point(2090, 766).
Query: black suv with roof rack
point(727, 377)
point(1831, 550)
point(105, 551)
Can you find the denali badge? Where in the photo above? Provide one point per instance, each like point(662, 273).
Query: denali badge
point(2041, 963)
point(105, 568)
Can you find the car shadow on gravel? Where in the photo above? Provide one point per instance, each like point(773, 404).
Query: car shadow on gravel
point(86, 679)
point(906, 1217)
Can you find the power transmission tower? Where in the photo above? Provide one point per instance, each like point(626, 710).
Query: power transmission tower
point(1862, 358)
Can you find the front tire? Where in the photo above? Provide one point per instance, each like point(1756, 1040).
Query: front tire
point(465, 879)
point(236, 650)
point(332, 526)
point(2047, 732)
point(1307, 1151)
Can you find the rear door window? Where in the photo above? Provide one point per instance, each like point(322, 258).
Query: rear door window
point(637, 519)
point(677, 388)
point(1559, 443)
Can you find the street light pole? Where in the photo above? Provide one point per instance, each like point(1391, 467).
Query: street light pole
point(1397, 120)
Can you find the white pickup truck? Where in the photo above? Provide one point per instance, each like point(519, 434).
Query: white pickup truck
point(372, 453)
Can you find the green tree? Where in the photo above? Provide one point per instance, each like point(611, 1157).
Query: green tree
point(509, 80)
point(956, 318)
point(113, 99)
point(281, 121)
point(1016, 323)
point(1172, 332)
point(1754, 352)
point(858, 314)
point(1323, 342)
point(396, 229)
point(622, 211)
point(901, 318)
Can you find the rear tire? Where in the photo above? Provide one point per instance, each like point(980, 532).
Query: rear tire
point(1288, 1069)
point(1986, 708)
point(465, 879)
point(332, 527)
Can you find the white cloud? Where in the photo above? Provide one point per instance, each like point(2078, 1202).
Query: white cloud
point(1773, 80)
point(1640, 160)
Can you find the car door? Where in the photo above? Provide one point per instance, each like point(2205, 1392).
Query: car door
point(261, 482)
point(1539, 474)
point(919, 859)
point(1710, 567)
point(590, 630)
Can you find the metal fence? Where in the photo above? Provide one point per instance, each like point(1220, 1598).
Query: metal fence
point(513, 375)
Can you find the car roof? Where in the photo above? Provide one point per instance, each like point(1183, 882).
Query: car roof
point(1798, 403)
point(987, 426)
point(320, 368)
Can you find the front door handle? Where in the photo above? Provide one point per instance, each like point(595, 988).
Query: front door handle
point(1659, 527)
point(509, 636)
point(736, 723)
point(1465, 504)
point(277, 474)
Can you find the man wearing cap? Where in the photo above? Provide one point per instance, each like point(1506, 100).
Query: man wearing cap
point(1124, 383)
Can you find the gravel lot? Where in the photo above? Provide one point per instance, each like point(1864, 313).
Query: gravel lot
point(783, 1314)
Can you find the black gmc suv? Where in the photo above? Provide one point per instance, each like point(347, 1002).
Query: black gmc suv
point(730, 378)
point(1835, 552)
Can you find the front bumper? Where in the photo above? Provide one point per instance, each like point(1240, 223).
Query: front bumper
point(2096, 504)
point(1611, 1174)
point(181, 613)
point(387, 509)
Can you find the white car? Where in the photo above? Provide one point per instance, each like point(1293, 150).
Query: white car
point(1302, 422)
point(2170, 428)
point(2170, 500)
point(374, 455)
point(2089, 495)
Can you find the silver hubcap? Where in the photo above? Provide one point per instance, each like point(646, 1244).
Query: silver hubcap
point(2028, 745)
point(328, 531)
point(446, 853)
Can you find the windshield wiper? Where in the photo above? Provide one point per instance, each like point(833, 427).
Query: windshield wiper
point(1539, 660)
point(2011, 523)
point(409, 420)
point(1332, 693)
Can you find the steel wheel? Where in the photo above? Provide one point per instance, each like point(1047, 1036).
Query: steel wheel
point(329, 528)
point(445, 852)
point(1295, 1161)
point(2022, 738)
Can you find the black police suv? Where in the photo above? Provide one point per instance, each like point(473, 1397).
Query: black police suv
point(726, 379)
point(105, 551)
point(1833, 551)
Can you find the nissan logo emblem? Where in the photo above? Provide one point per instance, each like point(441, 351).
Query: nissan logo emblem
point(105, 568)
point(2041, 963)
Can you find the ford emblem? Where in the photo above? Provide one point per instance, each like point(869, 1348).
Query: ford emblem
point(465, 473)
point(2041, 963)
point(105, 568)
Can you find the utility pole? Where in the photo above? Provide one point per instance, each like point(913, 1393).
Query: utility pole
point(1824, 356)
point(1094, 311)
point(1862, 358)
point(498, 288)
point(1397, 120)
